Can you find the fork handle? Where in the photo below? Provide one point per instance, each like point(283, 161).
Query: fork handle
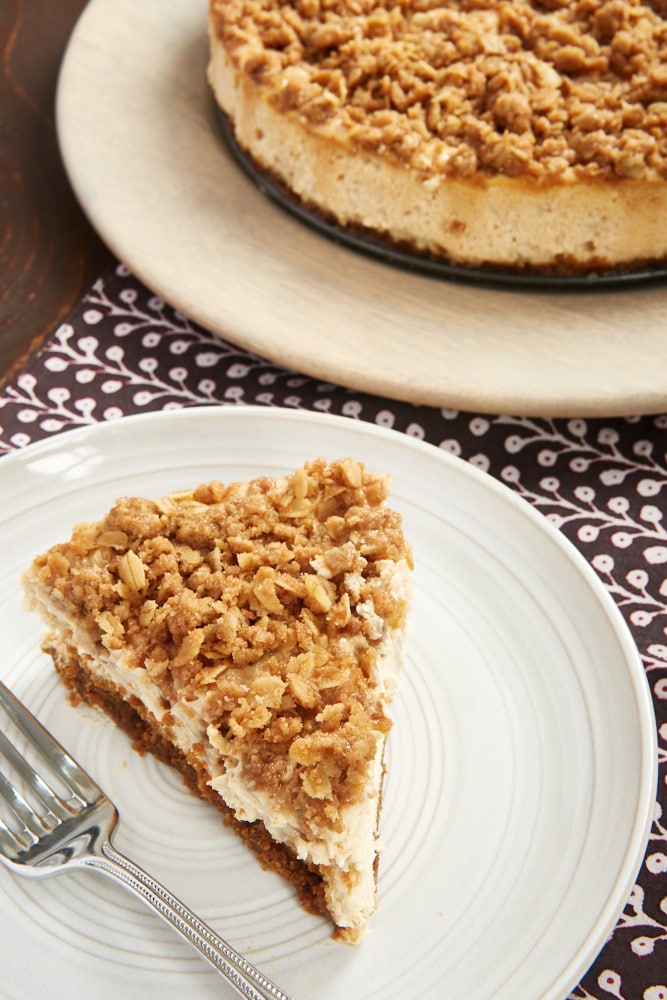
point(248, 981)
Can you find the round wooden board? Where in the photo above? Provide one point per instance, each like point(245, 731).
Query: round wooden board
point(143, 149)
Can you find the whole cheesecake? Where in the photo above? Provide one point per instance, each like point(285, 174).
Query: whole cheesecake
point(513, 134)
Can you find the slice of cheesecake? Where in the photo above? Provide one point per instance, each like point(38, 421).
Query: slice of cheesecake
point(252, 635)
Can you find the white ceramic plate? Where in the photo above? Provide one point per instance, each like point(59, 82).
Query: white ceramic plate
point(143, 149)
point(521, 765)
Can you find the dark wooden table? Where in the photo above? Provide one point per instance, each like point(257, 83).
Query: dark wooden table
point(49, 254)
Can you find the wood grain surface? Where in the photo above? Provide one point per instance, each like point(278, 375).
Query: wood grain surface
point(49, 254)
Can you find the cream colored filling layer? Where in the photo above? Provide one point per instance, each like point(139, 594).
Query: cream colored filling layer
point(500, 221)
point(347, 860)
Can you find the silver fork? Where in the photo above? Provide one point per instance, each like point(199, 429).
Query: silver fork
point(74, 830)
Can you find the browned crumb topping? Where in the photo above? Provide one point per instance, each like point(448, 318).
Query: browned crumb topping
point(260, 604)
point(515, 87)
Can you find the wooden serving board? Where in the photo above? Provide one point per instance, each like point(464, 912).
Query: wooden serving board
point(144, 152)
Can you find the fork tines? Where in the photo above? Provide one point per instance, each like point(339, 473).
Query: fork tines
point(51, 808)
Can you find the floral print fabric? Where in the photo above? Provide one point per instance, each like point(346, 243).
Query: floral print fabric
point(602, 482)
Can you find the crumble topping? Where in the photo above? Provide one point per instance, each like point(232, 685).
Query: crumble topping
point(524, 88)
point(262, 606)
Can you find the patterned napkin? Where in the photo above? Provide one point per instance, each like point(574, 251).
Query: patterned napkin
point(602, 482)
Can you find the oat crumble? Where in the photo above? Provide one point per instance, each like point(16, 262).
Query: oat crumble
point(240, 600)
point(458, 89)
